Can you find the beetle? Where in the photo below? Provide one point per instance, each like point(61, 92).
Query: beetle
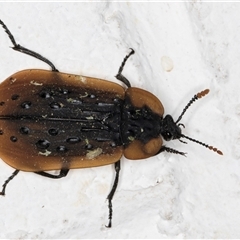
point(51, 120)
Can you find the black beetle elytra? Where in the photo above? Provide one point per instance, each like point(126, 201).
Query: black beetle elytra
point(57, 121)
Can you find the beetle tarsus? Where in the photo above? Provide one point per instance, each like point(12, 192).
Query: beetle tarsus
point(62, 173)
point(7, 181)
point(110, 214)
point(111, 194)
point(19, 48)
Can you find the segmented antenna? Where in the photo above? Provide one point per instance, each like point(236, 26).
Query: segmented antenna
point(203, 144)
point(195, 97)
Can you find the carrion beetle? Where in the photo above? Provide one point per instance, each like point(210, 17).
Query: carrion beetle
point(57, 121)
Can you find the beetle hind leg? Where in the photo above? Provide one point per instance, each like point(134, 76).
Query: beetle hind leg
point(62, 173)
point(7, 181)
point(19, 48)
point(119, 75)
point(111, 194)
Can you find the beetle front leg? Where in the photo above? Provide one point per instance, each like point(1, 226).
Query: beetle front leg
point(111, 194)
point(7, 181)
point(63, 173)
point(170, 150)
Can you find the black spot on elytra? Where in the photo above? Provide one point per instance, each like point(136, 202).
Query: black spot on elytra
point(62, 149)
point(55, 105)
point(53, 131)
point(73, 140)
point(24, 130)
point(2, 103)
point(43, 144)
point(13, 139)
point(64, 91)
point(1, 132)
point(15, 97)
point(45, 93)
point(26, 104)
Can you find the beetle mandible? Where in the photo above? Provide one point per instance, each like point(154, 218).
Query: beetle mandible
point(67, 121)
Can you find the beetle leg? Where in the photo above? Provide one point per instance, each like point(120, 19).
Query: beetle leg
point(7, 181)
point(21, 49)
point(170, 150)
point(111, 194)
point(63, 173)
point(121, 78)
point(119, 75)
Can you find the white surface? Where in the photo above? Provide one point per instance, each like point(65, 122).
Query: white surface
point(161, 197)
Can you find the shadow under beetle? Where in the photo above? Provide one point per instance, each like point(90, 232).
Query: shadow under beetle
point(57, 121)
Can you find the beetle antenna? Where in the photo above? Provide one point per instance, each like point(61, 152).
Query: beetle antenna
point(195, 97)
point(203, 144)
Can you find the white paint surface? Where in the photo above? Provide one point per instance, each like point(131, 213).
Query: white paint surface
point(167, 196)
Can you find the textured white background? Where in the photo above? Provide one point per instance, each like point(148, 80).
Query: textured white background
point(161, 197)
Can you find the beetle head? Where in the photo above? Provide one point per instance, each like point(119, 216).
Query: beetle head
point(171, 130)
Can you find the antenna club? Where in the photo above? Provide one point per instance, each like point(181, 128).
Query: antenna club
point(215, 150)
point(203, 93)
point(195, 97)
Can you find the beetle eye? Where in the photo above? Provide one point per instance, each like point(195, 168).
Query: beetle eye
point(167, 136)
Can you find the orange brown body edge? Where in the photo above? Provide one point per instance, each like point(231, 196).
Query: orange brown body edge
point(57, 121)
point(22, 150)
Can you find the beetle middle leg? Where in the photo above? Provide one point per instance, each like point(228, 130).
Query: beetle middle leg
point(7, 181)
point(119, 75)
point(63, 173)
point(19, 48)
point(111, 194)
